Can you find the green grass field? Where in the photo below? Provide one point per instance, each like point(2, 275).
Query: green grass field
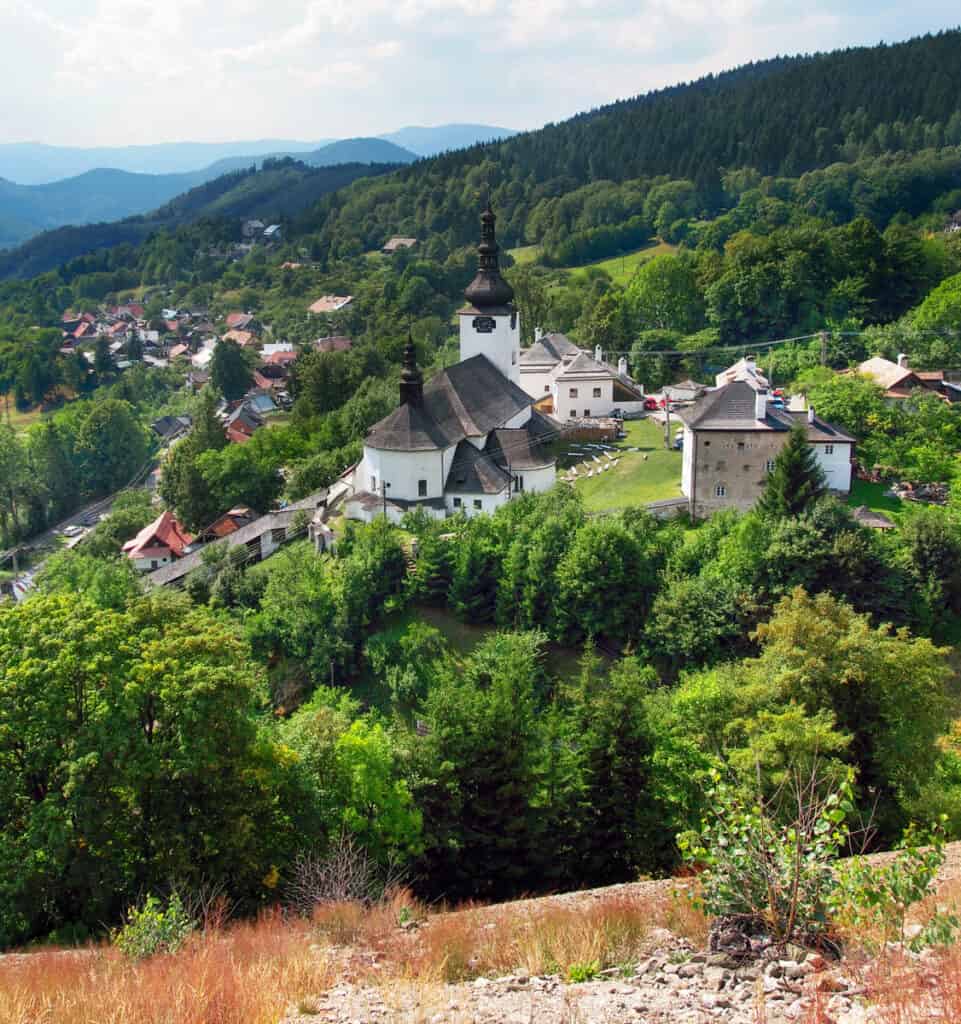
point(621, 268)
point(651, 474)
point(524, 254)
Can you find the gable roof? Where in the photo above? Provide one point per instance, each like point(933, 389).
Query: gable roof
point(330, 303)
point(733, 407)
point(474, 472)
point(743, 369)
point(468, 399)
point(884, 373)
point(164, 532)
point(549, 348)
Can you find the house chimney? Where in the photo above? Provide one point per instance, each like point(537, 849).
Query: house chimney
point(622, 366)
point(598, 354)
point(760, 405)
point(902, 360)
point(810, 414)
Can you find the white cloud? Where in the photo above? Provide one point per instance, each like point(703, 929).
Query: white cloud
point(124, 71)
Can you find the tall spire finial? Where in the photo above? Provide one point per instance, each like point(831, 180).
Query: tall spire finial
point(411, 379)
point(488, 289)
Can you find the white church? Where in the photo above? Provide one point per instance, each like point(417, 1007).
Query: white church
point(470, 438)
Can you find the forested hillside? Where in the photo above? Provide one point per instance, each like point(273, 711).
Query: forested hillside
point(278, 189)
point(533, 699)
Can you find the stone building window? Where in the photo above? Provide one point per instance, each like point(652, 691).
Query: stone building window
point(572, 393)
point(457, 503)
point(597, 392)
point(829, 449)
point(422, 488)
point(478, 504)
point(769, 465)
point(720, 491)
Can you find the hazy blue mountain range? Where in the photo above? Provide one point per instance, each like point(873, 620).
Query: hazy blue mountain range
point(107, 194)
point(431, 141)
point(106, 184)
point(35, 163)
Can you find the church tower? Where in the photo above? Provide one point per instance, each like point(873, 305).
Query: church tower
point(489, 324)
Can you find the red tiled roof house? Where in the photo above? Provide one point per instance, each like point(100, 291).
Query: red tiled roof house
point(161, 542)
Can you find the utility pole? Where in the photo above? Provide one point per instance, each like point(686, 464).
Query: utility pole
point(823, 335)
point(510, 481)
point(667, 421)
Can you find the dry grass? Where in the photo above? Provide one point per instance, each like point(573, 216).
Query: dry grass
point(244, 974)
point(542, 938)
point(251, 972)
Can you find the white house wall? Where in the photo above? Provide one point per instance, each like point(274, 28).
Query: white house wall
point(836, 464)
point(687, 463)
point(567, 408)
point(537, 381)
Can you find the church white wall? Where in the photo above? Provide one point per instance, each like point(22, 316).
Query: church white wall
point(403, 470)
point(475, 504)
point(571, 407)
point(502, 346)
point(836, 464)
point(538, 480)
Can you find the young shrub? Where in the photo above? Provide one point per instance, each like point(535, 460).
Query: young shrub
point(762, 874)
point(872, 902)
point(154, 928)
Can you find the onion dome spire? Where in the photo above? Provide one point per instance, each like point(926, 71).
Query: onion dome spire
point(411, 379)
point(488, 290)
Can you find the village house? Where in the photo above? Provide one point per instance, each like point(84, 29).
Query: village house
point(259, 538)
point(231, 521)
point(169, 428)
point(273, 233)
point(330, 304)
point(744, 369)
point(158, 544)
point(898, 380)
point(469, 438)
point(397, 243)
point(332, 343)
point(732, 437)
point(571, 385)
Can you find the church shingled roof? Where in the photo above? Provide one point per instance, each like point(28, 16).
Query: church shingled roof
point(468, 399)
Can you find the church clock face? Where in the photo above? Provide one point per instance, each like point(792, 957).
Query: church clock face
point(484, 324)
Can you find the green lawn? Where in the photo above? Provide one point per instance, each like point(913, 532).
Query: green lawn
point(524, 254)
point(872, 495)
point(621, 268)
point(651, 474)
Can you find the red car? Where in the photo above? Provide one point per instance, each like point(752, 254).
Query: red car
point(650, 403)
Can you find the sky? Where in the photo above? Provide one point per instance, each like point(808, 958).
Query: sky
point(116, 72)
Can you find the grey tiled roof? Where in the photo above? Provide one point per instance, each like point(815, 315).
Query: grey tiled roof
point(474, 472)
point(468, 399)
point(551, 348)
point(518, 448)
point(732, 407)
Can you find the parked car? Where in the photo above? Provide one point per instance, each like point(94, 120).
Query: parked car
point(72, 531)
point(650, 404)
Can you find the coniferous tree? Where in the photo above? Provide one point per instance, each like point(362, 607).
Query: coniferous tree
point(796, 482)
point(229, 372)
